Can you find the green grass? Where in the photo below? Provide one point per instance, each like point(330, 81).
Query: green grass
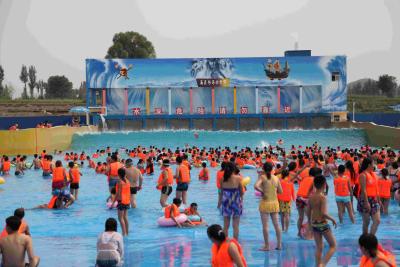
point(369, 104)
point(43, 101)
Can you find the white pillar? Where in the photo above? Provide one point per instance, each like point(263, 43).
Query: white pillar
point(301, 98)
point(169, 102)
point(257, 111)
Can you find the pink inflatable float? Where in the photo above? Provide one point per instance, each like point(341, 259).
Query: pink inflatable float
point(114, 205)
point(162, 221)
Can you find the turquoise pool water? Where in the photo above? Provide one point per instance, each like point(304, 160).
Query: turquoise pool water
point(68, 237)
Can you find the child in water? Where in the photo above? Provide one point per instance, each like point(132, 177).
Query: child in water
point(317, 212)
point(194, 215)
point(204, 173)
point(172, 211)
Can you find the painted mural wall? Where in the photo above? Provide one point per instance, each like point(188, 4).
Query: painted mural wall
point(284, 84)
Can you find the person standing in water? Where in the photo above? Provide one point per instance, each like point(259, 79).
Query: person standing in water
point(270, 186)
point(368, 203)
point(344, 194)
point(123, 190)
point(231, 199)
point(75, 176)
point(164, 182)
point(135, 178)
point(317, 212)
point(182, 176)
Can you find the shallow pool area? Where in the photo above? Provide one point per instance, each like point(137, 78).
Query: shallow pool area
point(68, 237)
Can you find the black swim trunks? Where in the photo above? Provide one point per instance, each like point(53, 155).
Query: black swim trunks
point(74, 186)
point(17, 173)
point(166, 190)
point(134, 190)
point(121, 206)
point(182, 187)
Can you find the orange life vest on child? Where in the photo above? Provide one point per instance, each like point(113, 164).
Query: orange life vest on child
point(175, 211)
point(304, 187)
point(382, 255)
point(6, 166)
point(341, 186)
point(220, 255)
point(384, 188)
point(125, 192)
point(170, 179)
point(76, 176)
point(287, 191)
point(203, 175)
point(46, 165)
point(58, 174)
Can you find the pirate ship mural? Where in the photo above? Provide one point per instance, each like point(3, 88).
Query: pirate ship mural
point(274, 70)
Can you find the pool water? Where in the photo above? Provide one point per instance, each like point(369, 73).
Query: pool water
point(68, 237)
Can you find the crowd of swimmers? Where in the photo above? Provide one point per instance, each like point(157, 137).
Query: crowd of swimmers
point(365, 177)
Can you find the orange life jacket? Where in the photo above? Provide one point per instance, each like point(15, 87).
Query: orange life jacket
point(114, 166)
point(170, 179)
point(52, 202)
point(203, 175)
point(125, 192)
point(21, 229)
point(304, 187)
point(184, 174)
point(175, 211)
point(220, 255)
point(341, 186)
point(384, 188)
point(287, 191)
point(76, 176)
point(371, 184)
point(58, 174)
point(6, 166)
point(382, 255)
point(220, 177)
point(46, 165)
point(189, 212)
point(304, 173)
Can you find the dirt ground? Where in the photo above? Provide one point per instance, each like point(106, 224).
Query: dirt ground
point(36, 108)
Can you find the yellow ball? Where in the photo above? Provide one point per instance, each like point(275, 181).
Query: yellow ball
point(246, 181)
point(2, 181)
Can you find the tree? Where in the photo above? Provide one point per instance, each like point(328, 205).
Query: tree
point(387, 84)
point(131, 45)
point(58, 87)
point(7, 92)
point(1, 79)
point(41, 87)
point(82, 90)
point(32, 79)
point(24, 78)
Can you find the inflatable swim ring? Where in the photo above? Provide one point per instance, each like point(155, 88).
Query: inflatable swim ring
point(164, 222)
point(2, 181)
point(194, 218)
point(246, 181)
point(248, 166)
point(108, 204)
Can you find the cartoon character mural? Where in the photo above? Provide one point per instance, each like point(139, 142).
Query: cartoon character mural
point(123, 71)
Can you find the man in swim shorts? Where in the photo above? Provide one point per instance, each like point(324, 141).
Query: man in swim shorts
point(14, 246)
point(134, 176)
